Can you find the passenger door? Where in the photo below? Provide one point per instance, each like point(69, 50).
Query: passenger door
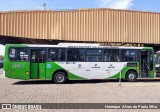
point(38, 63)
point(145, 64)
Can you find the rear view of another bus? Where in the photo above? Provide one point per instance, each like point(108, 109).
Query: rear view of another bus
point(157, 63)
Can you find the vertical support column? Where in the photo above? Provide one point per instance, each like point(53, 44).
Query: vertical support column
point(120, 76)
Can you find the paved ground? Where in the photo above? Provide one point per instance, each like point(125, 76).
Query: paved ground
point(1, 73)
point(17, 91)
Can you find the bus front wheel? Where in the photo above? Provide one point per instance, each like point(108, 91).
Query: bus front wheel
point(131, 76)
point(59, 77)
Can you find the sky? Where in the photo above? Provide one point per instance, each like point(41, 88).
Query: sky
point(141, 5)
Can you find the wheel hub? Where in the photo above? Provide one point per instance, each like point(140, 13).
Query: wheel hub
point(131, 76)
point(60, 78)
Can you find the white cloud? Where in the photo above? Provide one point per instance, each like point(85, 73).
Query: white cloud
point(116, 4)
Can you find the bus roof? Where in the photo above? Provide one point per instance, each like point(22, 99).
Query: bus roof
point(76, 45)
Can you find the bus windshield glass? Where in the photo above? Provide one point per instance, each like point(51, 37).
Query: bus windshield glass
point(157, 58)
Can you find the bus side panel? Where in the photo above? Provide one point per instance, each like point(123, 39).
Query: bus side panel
point(20, 70)
point(7, 69)
point(134, 68)
point(7, 63)
point(125, 69)
point(51, 67)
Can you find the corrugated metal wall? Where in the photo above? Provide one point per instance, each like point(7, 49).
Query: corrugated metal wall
point(99, 25)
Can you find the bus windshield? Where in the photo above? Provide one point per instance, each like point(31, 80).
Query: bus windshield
point(157, 58)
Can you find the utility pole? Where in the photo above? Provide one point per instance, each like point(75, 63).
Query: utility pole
point(44, 6)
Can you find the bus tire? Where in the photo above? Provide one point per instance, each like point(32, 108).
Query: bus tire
point(59, 77)
point(131, 76)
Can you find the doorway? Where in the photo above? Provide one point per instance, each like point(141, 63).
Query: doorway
point(145, 64)
point(38, 63)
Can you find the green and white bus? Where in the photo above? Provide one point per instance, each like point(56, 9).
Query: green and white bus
point(76, 61)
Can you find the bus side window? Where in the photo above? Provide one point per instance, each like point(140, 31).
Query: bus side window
point(94, 55)
point(72, 55)
point(128, 55)
point(81, 55)
point(111, 55)
point(18, 54)
point(42, 56)
point(56, 54)
point(75, 55)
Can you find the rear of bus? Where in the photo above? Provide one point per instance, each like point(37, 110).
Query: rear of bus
point(16, 61)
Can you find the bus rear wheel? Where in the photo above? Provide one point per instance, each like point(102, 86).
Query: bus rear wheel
point(131, 76)
point(59, 77)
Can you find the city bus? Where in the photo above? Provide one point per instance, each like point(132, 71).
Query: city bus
point(157, 63)
point(76, 61)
